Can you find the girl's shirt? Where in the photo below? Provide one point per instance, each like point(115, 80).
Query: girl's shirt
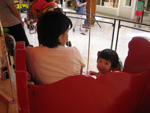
point(139, 5)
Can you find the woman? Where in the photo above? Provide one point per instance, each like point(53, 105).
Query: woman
point(52, 61)
point(11, 19)
point(82, 10)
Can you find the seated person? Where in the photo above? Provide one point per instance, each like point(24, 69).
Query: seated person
point(107, 61)
point(52, 61)
point(37, 7)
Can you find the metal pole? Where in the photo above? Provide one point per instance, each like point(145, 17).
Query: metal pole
point(117, 35)
point(5, 56)
point(89, 36)
point(112, 40)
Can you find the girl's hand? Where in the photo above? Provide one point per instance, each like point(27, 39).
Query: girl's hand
point(93, 73)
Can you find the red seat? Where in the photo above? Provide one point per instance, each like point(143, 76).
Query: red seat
point(114, 92)
point(21, 78)
point(138, 58)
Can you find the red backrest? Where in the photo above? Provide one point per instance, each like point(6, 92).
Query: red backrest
point(114, 92)
point(138, 58)
point(21, 78)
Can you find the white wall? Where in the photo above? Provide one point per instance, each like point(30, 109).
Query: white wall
point(125, 11)
point(121, 11)
point(106, 10)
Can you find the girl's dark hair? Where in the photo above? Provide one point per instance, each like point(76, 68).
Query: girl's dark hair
point(110, 55)
point(50, 26)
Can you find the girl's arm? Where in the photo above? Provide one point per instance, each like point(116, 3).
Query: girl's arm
point(143, 7)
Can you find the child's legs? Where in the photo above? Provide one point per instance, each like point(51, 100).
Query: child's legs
point(138, 14)
point(77, 20)
point(140, 19)
point(136, 18)
point(82, 22)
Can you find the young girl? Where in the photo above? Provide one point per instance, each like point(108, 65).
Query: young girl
point(138, 13)
point(107, 60)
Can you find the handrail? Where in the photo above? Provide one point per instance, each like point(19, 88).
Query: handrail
point(113, 24)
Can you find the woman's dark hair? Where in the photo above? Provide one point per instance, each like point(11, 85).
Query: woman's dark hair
point(83, 1)
point(110, 55)
point(50, 26)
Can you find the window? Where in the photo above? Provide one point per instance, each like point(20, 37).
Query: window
point(128, 2)
point(98, 2)
point(108, 3)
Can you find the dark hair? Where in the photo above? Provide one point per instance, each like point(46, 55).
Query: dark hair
point(50, 26)
point(110, 55)
point(83, 1)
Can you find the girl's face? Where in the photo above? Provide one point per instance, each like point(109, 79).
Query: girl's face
point(103, 66)
point(63, 38)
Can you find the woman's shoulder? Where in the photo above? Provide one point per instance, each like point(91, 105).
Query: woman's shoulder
point(72, 48)
point(67, 49)
point(34, 49)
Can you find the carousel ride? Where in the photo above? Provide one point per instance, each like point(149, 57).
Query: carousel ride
point(119, 92)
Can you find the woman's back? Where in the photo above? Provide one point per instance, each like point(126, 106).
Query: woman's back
point(48, 65)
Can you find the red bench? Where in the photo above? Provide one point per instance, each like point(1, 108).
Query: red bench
point(114, 92)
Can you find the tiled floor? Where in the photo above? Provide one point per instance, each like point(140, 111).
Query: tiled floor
point(95, 39)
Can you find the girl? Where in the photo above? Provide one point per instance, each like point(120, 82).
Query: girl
point(107, 61)
point(138, 13)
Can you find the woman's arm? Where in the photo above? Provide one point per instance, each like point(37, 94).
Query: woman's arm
point(16, 13)
point(80, 5)
point(81, 71)
point(85, 9)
